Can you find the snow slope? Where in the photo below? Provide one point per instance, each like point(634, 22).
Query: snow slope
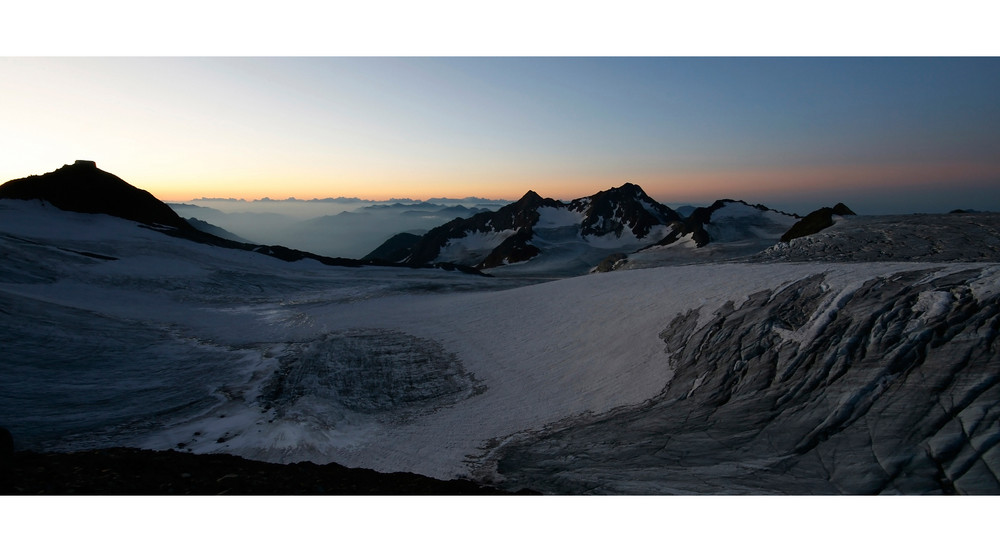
point(118, 335)
point(735, 230)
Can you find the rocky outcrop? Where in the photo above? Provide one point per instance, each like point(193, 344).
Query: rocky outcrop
point(82, 187)
point(514, 249)
point(816, 221)
point(611, 263)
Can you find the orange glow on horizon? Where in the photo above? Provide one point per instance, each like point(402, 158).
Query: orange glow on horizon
point(678, 186)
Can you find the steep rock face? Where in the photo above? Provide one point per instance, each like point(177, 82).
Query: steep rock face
point(889, 387)
point(516, 218)
point(82, 187)
point(621, 208)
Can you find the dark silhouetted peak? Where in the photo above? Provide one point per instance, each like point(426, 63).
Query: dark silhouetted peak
point(82, 187)
point(841, 209)
point(518, 215)
point(816, 221)
point(530, 202)
point(530, 197)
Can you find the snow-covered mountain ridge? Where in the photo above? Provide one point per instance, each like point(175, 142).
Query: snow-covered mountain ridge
point(536, 235)
point(612, 219)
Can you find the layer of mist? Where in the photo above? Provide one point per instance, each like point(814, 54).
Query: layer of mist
point(342, 227)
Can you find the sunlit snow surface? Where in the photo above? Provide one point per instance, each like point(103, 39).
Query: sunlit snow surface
point(114, 334)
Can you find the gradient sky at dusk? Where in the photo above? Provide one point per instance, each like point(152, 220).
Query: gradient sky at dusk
point(883, 135)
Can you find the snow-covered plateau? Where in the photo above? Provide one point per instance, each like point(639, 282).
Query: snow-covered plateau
point(764, 377)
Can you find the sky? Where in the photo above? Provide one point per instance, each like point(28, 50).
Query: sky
point(882, 134)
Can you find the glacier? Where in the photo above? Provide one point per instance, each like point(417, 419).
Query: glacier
point(804, 377)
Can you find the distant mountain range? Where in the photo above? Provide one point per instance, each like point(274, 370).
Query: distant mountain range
point(601, 230)
point(614, 228)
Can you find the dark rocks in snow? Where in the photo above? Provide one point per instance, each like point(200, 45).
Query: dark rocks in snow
point(611, 262)
point(613, 211)
point(816, 221)
point(625, 213)
point(697, 223)
point(520, 215)
point(621, 208)
point(516, 248)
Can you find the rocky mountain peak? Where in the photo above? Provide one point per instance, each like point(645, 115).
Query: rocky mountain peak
point(82, 187)
point(530, 197)
point(618, 208)
point(841, 209)
point(82, 165)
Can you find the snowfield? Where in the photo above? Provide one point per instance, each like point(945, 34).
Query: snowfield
point(473, 248)
point(117, 335)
